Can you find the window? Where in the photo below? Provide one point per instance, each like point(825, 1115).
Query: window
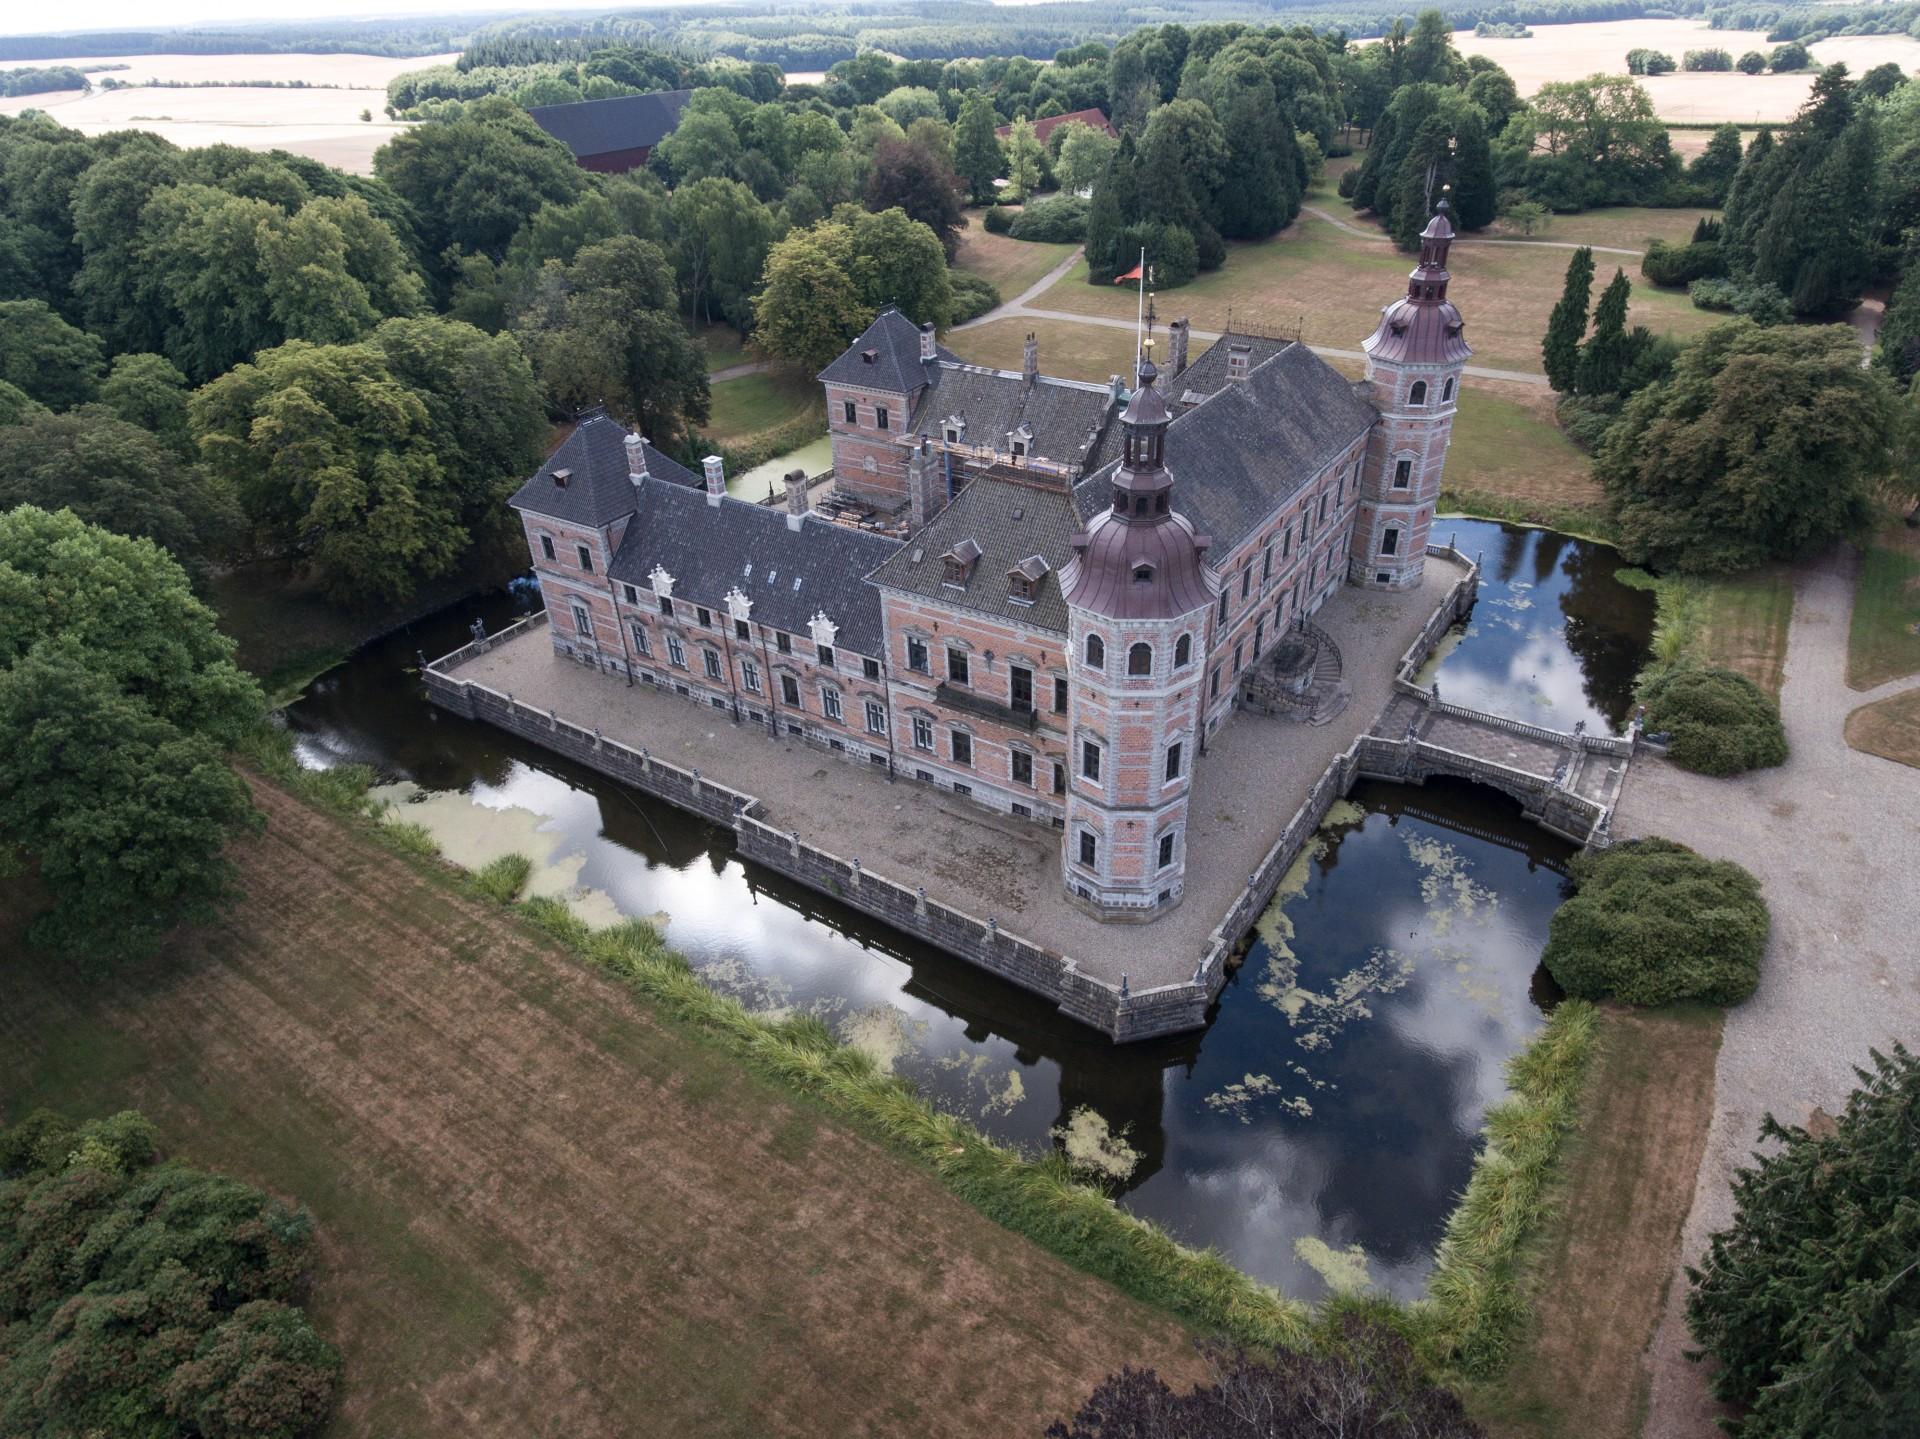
point(712, 663)
point(586, 557)
point(582, 620)
point(1238, 647)
point(830, 705)
point(917, 658)
point(1223, 606)
point(1096, 653)
point(957, 666)
point(1286, 543)
point(632, 595)
point(876, 718)
point(962, 744)
point(1173, 762)
point(1166, 849)
point(1089, 848)
point(1246, 582)
point(1059, 779)
point(1266, 563)
point(962, 789)
point(1143, 574)
point(1021, 811)
point(880, 417)
point(1089, 759)
point(1020, 688)
point(546, 547)
point(852, 414)
point(1323, 508)
point(750, 673)
point(1059, 694)
point(1418, 394)
point(1390, 542)
point(741, 630)
point(922, 733)
point(1446, 390)
point(1259, 635)
point(1183, 652)
point(1140, 659)
point(705, 615)
point(676, 651)
point(1402, 474)
point(1213, 688)
point(1022, 767)
point(783, 642)
point(666, 605)
point(1383, 578)
point(640, 644)
point(790, 691)
point(870, 668)
point(826, 656)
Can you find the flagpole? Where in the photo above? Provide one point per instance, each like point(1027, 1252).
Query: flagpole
point(1140, 317)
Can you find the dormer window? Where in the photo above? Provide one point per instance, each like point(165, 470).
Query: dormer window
point(957, 564)
point(1024, 579)
point(1019, 587)
point(955, 429)
point(869, 357)
point(560, 478)
point(1143, 574)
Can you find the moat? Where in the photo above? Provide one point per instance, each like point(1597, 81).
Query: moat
point(1325, 1120)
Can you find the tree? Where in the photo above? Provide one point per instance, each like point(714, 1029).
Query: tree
point(810, 309)
point(896, 260)
point(906, 103)
point(45, 357)
point(1083, 156)
point(1560, 351)
point(1025, 161)
point(721, 235)
point(1881, 80)
point(149, 391)
point(976, 149)
point(1603, 358)
point(914, 179)
point(120, 477)
point(1764, 443)
point(1713, 168)
point(1751, 63)
point(703, 145)
point(1431, 58)
point(1114, 206)
point(332, 270)
point(1807, 1298)
point(262, 1374)
point(1362, 1382)
point(16, 404)
point(1496, 95)
point(1788, 57)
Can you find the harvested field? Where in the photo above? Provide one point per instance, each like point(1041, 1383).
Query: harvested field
point(1009, 265)
point(1596, 1278)
point(542, 1210)
point(1690, 142)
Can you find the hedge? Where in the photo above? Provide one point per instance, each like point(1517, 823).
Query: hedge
point(1717, 722)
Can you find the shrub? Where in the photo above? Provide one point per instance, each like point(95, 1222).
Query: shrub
point(1719, 722)
point(1170, 250)
point(1762, 303)
point(1710, 59)
point(1666, 264)
point(1648, 62)
point(502, 879)
point(1061, 220)
point(973, 296)
point(999, 220)
point(1752, 63)
point(1808, 1299)
point(1651, 922)
point(1789, 57)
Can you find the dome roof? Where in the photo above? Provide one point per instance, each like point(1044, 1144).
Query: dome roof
point(1131, 571)
point(1423, 327)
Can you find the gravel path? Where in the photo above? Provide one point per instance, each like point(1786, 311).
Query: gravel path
point(1834, 836)
point(1365, 234)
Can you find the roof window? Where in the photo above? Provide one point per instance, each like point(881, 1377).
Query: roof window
point(560, 477)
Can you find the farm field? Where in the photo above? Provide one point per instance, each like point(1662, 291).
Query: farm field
point(1571, 52)
point(542, 1210)
point(322, 121)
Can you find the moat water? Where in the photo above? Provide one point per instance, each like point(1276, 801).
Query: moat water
point(1318, 1132)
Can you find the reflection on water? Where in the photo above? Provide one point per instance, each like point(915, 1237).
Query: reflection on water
point(1554, 638)
point(1318, 1132)
point(764, 478)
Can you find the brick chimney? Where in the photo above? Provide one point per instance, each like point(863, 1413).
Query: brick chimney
point(1239, 360)
point(1030, 361)
point(927, 351)
point(716, 478)
point(1176, 348)
point(796, 483)
point(636, 458)
point(926, 489)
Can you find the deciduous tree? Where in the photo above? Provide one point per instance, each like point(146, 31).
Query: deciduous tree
point(914, 179)
point(44, 356)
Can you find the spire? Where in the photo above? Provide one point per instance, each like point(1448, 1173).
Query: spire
point(1142, 488)
point(1428, 282)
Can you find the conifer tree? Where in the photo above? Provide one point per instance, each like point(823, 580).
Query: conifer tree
point(976, 149)
point(1115, 205)
point(1603, 359)
point(1561, 348)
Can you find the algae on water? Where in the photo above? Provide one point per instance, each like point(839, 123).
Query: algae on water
point(1092, 1146)
point(1345, 1270)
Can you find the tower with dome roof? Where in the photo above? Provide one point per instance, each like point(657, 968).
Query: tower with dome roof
point(1414, 363)
point(1138, 594)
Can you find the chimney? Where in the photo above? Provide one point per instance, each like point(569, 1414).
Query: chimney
point(1030, 362)
point(636, 458)
point(927, 351)
point(716, 479)
point(1176, 348)
point(926, 495)
point(1239, 359)
point(796, 482)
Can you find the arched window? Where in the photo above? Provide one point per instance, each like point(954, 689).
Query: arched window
point(1446, 390)
point(1096, 653)
point(1418, 394)
point(1183, 651)
point(1140, 659)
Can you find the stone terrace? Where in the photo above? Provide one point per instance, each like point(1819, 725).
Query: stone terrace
point(1256, 773)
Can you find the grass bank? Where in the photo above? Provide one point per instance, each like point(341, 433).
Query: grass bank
point(1884, 641)
point(760, 416)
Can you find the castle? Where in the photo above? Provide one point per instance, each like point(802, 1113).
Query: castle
point(1079, 583)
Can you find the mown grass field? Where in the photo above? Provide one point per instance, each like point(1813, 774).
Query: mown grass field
point(542, 1209)
point(723, 346)
point(1889, 728)
point(1009, 265)
point(747, 408)
point(1631, 227)
point(1597, 1273)
point(1742, 624)
point(1884, 642)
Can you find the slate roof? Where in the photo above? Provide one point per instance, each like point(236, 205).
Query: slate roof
point(1208, 373)
point(1069, 419)
point(1238, 455)
point(896, 364)
point(628, 122)
point(790, 575)
point(1010, 522)
point(597, 491)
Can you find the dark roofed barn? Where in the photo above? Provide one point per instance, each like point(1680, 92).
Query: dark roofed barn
point(613, 136)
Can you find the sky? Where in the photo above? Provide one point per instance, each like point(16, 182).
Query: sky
point(24, 19)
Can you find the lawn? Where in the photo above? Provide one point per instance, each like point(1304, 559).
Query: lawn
point(749, 407)
point(1068, 350)
point(1742, 624)
point(1889, 728)
point(1884, 642)
point(1631, 227)
point(542, 1210)
point(1330, 286)
point(1009, 265)
point(1510, 459)
point(1597, 1275)
point(723, 346)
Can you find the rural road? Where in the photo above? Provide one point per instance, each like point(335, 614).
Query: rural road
point(1834, 837)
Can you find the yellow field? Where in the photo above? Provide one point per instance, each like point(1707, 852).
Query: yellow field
point(322, 121)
